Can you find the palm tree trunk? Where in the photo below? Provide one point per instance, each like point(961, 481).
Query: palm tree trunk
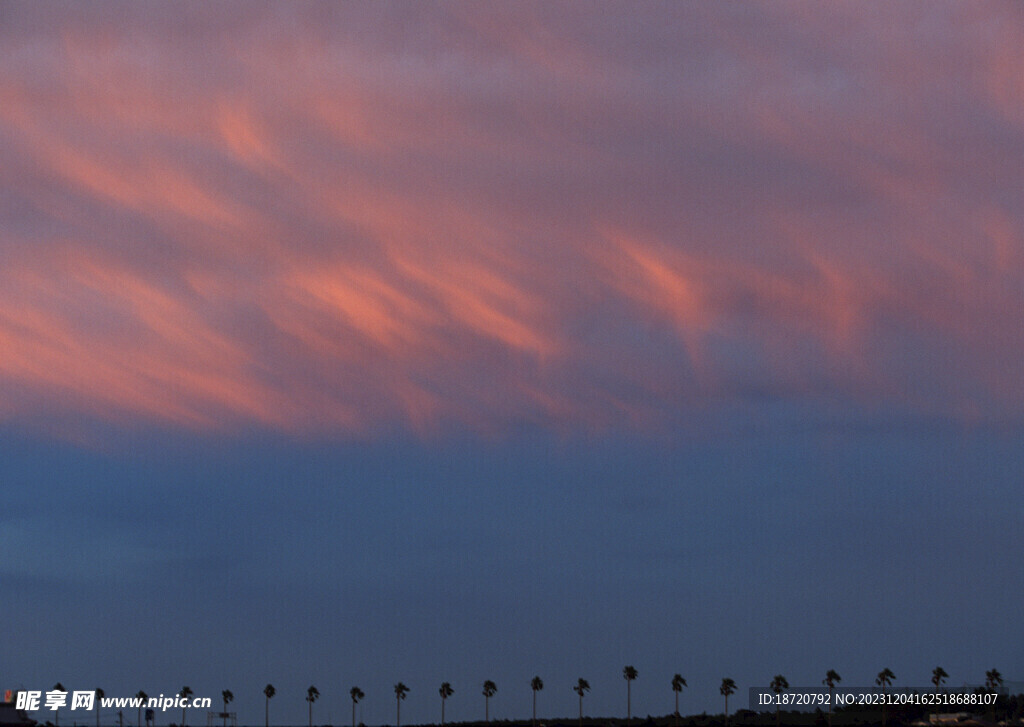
point(398, 713)
point(311, 713)
point(629, 701)
point(677, 709)
point(581, 710)
point(487, 710)
point(266, 712)
point(534, 709)
point(353, 713)
point(726, 710)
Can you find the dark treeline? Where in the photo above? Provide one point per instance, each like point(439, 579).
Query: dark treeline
point(1008, 709)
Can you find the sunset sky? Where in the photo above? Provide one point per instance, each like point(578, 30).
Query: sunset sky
point(343, 344)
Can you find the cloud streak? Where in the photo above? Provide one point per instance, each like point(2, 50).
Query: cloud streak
point(338, 220)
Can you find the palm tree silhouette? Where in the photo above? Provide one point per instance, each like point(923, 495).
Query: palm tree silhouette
point(677, 686)
point(728, 687)
point(228, 697)
point(581, 686)
point(400, 691)
point(536, 684)
point(445, 691)
point(831, 679)
point(142, 697)
point(883, 680)
point(993, 680)
point(629, 674)
point(58, 687)
point(778, 684)
point(186, 693)
point(489, 689)
point(939, 675)
point(100, 694)
point(268, 692)
point(356, 693)
point(312, 694)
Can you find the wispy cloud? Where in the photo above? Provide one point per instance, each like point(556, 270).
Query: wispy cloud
point(323, 219)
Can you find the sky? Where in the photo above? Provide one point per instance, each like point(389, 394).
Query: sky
point(344, 344)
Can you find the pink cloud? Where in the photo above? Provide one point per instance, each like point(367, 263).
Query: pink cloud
point(569, 218)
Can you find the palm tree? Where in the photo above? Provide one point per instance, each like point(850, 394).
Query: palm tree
point(939, 675)
point(400, 691)
point(831, 679)
point(445, 691)
point(883, 680)
point(268, 692)
point(356, 693)
point(312, 694)
point(142, 697)
point(58, 687)
point(186, 693)
point(489, 689)
point(536, 684)
point(581, 686)
point(228, 697)
point(677, 686)
point(629, 674)
point(778, 685)
point(993, 680)
point(100, 694)
point(728, 687)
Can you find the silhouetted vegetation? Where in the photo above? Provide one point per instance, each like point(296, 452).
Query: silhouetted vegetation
point(268, 694)
point(1008, 709)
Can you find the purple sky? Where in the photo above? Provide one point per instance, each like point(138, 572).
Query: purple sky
point(350, 343)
